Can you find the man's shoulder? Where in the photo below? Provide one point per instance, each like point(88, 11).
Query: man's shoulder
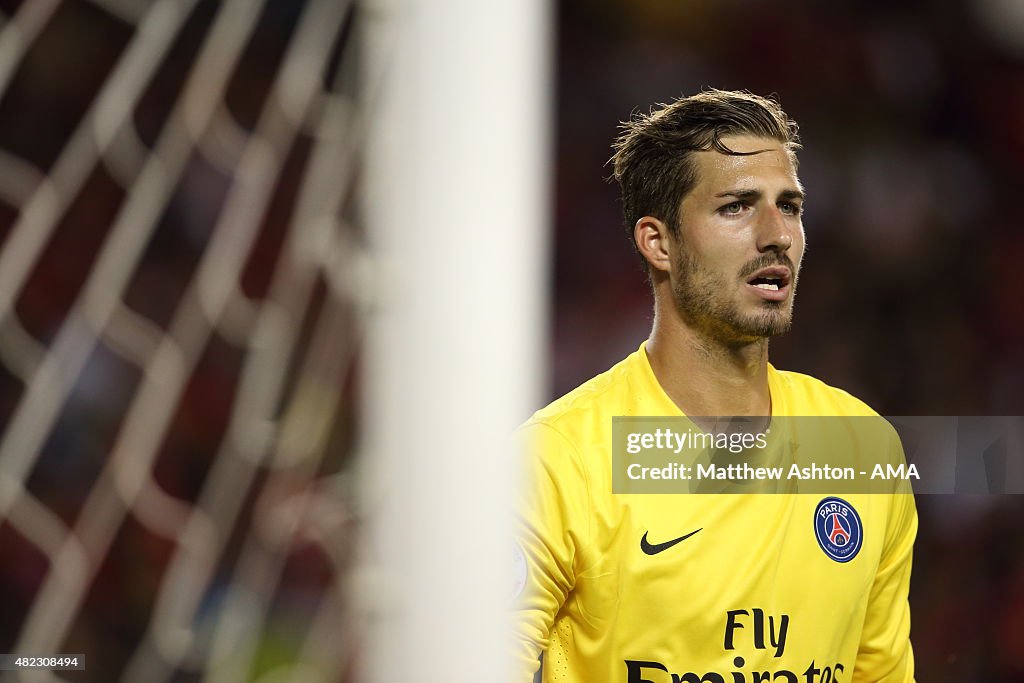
point(807, 395)
point(608, 393)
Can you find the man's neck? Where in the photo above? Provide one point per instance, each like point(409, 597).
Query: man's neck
point(705, 376)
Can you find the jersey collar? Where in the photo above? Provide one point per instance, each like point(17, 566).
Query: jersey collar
point(662, 404)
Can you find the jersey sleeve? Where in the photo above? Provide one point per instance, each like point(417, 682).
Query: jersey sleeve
point(885, 654)
point(551, 528)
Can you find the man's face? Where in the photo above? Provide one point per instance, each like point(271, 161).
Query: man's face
point(735, 268)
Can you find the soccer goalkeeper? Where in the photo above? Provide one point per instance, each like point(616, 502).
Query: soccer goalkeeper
point(719, 588)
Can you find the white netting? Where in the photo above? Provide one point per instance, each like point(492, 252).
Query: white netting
point(181, 297)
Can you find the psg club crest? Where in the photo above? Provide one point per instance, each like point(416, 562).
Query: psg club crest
point(838, 529)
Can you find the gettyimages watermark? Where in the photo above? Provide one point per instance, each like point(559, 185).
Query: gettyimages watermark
point(818, 455)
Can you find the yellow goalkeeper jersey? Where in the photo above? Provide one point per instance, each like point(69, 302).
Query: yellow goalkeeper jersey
point(678, 588)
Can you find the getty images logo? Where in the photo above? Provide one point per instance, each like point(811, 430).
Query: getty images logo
point(766, 633)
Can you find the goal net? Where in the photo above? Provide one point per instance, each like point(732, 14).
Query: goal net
point(182, 295)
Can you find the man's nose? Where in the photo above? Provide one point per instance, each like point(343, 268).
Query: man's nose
point(774, 232)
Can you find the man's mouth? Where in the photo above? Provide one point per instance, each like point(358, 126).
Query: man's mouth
point(771, 283)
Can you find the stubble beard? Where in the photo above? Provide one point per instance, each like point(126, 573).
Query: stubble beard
point(701, 297)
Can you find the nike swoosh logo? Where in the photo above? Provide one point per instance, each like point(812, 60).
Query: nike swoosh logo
point(658, 547)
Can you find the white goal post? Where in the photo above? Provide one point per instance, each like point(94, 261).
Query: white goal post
point(458, 177)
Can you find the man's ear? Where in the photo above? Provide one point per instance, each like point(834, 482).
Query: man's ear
point(653, 241)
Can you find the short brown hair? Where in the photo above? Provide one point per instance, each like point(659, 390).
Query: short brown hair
point(653, 161)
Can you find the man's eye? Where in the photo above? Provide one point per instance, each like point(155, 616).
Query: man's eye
point(732, 209)
point(790, 209)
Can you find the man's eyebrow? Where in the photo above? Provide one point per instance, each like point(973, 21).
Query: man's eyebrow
point(757, 194)
point(741, 194)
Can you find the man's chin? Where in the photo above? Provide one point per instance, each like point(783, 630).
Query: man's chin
point(765, 324)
